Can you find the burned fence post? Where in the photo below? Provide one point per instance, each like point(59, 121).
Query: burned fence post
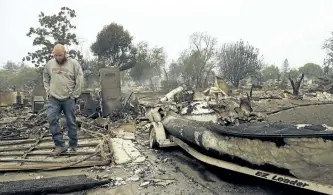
point(296, 84)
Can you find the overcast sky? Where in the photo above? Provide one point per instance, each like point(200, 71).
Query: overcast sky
point(293, 29)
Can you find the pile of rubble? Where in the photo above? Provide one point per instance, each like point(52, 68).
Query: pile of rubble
point(318, 96)
point(17, 122)
point(324, 84)
point(122, 124)
point(225, 111)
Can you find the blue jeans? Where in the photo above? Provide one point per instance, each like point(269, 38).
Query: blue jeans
point(54, 109)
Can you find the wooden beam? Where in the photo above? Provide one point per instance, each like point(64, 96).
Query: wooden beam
point(63, 184)
point(51, 146)
point(44, 153)
point(38, 161)
point(34, 145)
point(26, 141)
point(27, 167)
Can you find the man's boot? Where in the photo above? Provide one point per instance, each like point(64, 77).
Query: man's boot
point(71, 149)
point(58, 150)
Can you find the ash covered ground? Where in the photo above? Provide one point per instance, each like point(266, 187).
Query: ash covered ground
point(171, 170)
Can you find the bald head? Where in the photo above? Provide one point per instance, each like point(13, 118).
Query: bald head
point(59, 49)
point(59, 53)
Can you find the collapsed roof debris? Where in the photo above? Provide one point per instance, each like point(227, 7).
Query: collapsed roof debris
point(102, 140)
point(224, 112)
point(230, 126)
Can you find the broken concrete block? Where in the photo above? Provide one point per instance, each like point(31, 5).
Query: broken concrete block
point(139, 171)
point(144, 184)
point(139, 159)
point(39, 177)
point(119, 154)
point(130, 149)
point(120, 133)
point(128, 127)
point(119, 179)
point(119, 183)
point(129, 136)
point(133, 178)
point(124, 151)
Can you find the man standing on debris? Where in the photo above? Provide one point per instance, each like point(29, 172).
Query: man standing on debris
point(63, 79)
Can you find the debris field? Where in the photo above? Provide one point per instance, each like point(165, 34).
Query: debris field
point(115, 153)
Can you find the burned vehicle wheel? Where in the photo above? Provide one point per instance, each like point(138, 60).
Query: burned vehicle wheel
point(152, 138)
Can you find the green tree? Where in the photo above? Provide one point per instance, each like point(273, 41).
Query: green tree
point(293, 73)
point(26, 77)
point(188, 63)
point(23, 77)
point(328, 46)
point(173, 76)
point(11, 66)
point(141, 64)
point(311, 70)
point(5, 79)
point(238, 61)
point(285, 70)
point(174, 71)
point(202, 57)
point(271, 72)
point(53, 29)
point(113, 46)
point(149, 63)
point(195, 64)
point(90, 69)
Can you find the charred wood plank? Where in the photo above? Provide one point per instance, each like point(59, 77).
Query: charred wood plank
point(63, 184)
point(296, 106)
point(272, 97)
point(33, 146)
point(30, 161)
point(44, 153)
point(26, 141)
point(19, 148)
point(53, 166)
